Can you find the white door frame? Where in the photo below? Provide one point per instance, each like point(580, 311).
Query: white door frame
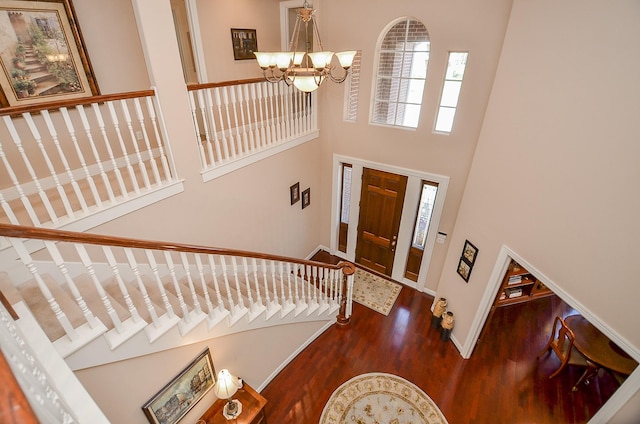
point(631, 385)
point(407, 221)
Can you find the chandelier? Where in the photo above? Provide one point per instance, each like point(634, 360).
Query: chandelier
point(307, 69)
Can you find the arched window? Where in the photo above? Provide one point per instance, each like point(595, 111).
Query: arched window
point(402, 71)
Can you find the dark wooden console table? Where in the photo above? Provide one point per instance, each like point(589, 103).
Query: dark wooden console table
point(252, 409)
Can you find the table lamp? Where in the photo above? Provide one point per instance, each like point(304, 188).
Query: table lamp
point(226, 386)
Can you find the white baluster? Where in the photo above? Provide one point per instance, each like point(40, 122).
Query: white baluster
point(234, 266)
point(254, 267)
point(116, 168)
point(296, 112)
point(18, 142)
point(62, 318)
point(252, 121)
point(272, 114)
point(225, 277)
point(145, 137)
point(85, 169)
point(265, 136)
point(54, 135)
point(134, 142)
point(234, 111)
point(38, 139)
point(133, 264)
point(232, 141)
point(96, 155)
point(123, 148)
point(174, 280)
point(205, 158)
point(216, 285)
point(151, 110)
point(133, 311)
point(265, 281)
point(247, 282)
point(278, 114)
point(88, 264)
point(9, 212)
point(223, 131)
point(210, 113)
point(23, 198)
point(192, 289)
point(243, 122)
point(286, 130)
point(203, 283)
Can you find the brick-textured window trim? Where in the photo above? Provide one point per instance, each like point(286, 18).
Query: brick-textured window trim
point(401, 74)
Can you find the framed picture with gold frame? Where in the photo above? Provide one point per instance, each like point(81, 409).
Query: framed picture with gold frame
point(42, 54)
point(170, 404)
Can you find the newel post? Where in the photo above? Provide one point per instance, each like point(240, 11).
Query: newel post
point(347, 269)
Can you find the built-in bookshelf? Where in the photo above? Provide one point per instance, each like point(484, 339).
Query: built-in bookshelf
point(518, 286)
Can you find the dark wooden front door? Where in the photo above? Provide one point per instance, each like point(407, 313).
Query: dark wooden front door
point(381, 202)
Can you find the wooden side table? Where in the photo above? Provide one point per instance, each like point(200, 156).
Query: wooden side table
point(252, 408)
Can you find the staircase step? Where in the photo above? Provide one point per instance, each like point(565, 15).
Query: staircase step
point(91, 297)
point(111, 287)
point(9, 291)
point(32, 295)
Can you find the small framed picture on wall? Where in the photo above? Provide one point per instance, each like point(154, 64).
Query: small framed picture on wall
point(306, 198)
point(294, 193)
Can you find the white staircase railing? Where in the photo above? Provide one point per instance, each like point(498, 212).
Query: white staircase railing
point(242, 121)
point(63, 162)
point(91, 286)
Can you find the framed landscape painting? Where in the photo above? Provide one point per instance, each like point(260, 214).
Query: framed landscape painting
point(42, 54)
point(170, 404)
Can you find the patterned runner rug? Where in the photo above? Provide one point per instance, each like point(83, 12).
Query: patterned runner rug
point(381, 399)
point(375, 292)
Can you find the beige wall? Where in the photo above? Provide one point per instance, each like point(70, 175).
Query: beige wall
point(452, 26)
point(120, 389)
point(113, 44)
point(217, 17)
point(554, 175)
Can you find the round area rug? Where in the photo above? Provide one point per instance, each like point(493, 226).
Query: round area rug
point(378, 398)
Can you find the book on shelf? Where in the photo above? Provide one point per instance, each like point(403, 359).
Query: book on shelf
point(515, 279)
point(513, 293)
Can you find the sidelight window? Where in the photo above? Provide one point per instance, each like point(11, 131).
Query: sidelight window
point(345, 205)
point(451, 91)
point(421, 229)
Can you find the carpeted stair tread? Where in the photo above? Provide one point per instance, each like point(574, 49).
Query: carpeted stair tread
point(156, 297)
point(111, 287)
point(91, 297)
point(32, 295)
point(10, 291)
point(186, 293)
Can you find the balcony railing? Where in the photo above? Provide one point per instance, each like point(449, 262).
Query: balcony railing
point(238, 122)
point(65, 162)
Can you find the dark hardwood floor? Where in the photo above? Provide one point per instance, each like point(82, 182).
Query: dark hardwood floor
point(502, 382)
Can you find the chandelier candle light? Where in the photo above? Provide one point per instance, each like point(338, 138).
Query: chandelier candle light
point(227, 386)
point(307, 69)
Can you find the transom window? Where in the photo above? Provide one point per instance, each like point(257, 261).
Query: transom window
point(402, 72)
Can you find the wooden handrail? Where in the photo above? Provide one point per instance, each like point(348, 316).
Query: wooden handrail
point(17, 110)
point(192, 87)
point(14, 407)
point(22, 231)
